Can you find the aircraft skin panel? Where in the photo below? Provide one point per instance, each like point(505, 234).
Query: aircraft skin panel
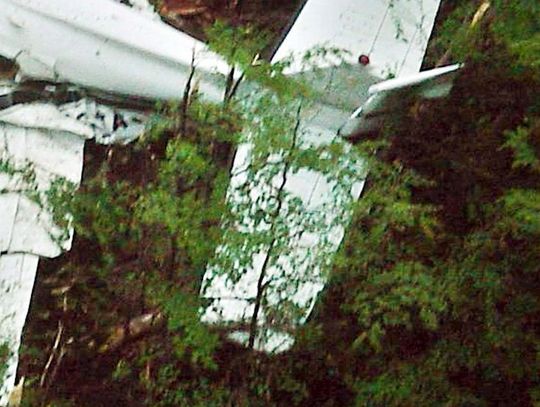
point(412, 80)
point(304, 259)
point(17, 275)
point(40, 148)
point(8, 209)
point(393, 33)
point(105, 45)
point(338, 24)
point(43, 116)
point(35, 232)
point(403, 36)
point(28, 228)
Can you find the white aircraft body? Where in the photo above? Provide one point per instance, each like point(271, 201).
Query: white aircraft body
point(50, 139)
point(394, 36)
point(98, 44)
point(105, 45)
point(102, 44)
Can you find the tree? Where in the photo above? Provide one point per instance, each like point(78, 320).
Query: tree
point(440, 271)
point(152, 233)
point(432, 301)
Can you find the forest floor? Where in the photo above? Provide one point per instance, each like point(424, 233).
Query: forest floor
point(195, 16)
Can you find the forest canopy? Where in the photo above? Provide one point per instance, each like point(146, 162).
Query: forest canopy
point(433, 298)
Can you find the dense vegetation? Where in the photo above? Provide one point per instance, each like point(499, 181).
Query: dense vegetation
point(434, 298)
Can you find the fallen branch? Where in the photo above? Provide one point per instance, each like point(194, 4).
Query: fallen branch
point(54, 349)
point(477, 17)
point(183, 9)
point(134, 329)
point(58, 337)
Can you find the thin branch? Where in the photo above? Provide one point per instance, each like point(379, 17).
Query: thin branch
point(187, 93)
point(234, 88)
point(56, 344)
point(46, 380)
point(135, 328)
point(229, 85)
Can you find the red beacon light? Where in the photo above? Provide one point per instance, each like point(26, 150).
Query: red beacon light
point(363, 59)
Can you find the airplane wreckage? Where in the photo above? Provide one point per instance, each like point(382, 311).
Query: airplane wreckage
point(129, 52)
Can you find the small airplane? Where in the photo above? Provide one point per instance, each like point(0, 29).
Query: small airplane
point(108, 46)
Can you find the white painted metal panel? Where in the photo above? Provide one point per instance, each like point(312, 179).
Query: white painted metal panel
point(45, 117)
point(51, 139)
point(17, 275)
point(412, 80)
point(35, 232)
point(8, 208)
point(105, 45)
point(345, 24)
point(394, 33)
point(28, 228)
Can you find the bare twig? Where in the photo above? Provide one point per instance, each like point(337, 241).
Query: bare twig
point(187, 94)
point(54, 349)
point(229, 83)
point(59, 359)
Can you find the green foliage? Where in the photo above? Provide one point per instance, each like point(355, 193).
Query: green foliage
point(524, 154)
point(453, 33)
point(434, 297)
point(442, 260)
point(23, 174)
point(241, 48)
point(194, 337)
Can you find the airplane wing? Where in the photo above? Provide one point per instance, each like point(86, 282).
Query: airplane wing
point(97, 44)
point(105, 45)
point(393, 34)
point(381, 39)
point(101, 44)
point(48, 140)
point(26, 228)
